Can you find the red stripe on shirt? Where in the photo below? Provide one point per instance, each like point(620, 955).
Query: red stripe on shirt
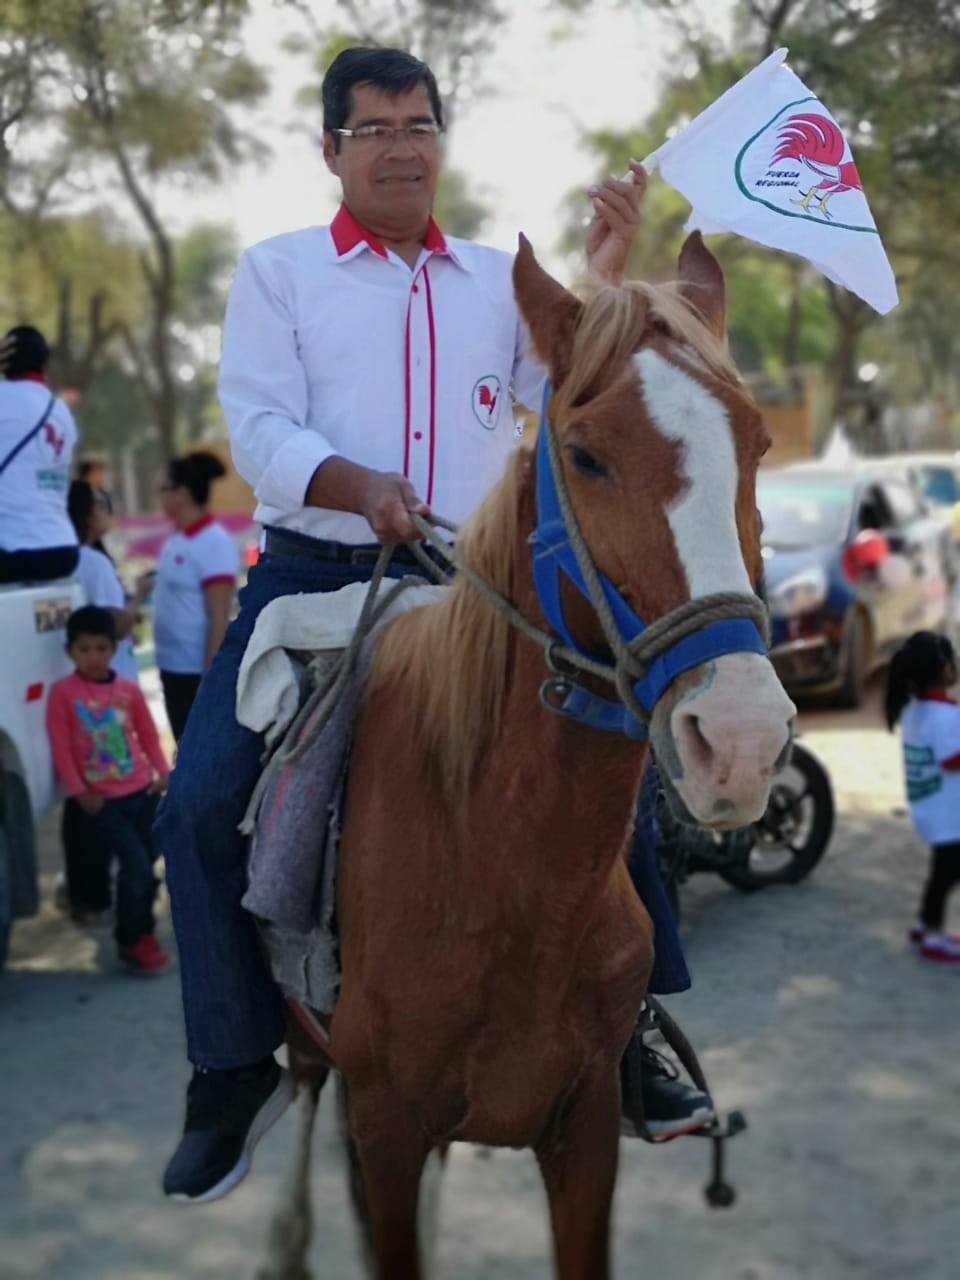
point(935, 695)
point(218, 577)
point(433, 384)
point(189, 530)
point(406, 391)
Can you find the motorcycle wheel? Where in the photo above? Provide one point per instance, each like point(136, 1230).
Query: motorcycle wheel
point(791, 837)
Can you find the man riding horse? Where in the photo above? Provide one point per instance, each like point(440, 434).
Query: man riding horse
point(364, 376)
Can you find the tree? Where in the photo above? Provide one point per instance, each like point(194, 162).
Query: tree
point(888, 72)
point(102, 100)
point(78, 279)
point(452, 36)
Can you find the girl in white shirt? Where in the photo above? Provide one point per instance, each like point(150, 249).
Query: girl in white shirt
point(920, 674)
point(90, 512)
point(195, 580)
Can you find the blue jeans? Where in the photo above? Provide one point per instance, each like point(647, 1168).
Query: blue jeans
point(670, 971)
point(123, 826)
point(233, 1012)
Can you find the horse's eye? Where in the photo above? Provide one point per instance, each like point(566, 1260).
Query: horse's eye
point(585, 462)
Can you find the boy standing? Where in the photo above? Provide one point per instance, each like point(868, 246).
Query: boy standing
point(108, 757)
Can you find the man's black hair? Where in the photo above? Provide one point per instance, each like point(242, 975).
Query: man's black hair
point(31, 352)
point(393, 70)
point(91, 620)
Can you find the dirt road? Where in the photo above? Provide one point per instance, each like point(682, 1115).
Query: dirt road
point(810, 1012)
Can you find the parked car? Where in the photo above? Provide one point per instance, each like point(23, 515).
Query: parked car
point(853, 563)
point(33, 618)
point(937, 476)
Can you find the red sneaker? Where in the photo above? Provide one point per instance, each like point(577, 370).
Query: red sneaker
point(146, 956)
point(940, 948)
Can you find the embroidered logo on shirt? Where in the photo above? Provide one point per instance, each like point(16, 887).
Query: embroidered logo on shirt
point(55, 441)
point(486, 400)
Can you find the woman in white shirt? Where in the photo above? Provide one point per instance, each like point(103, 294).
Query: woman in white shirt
point(195, 580)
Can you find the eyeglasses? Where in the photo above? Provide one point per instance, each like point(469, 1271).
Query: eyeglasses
point(420, 136)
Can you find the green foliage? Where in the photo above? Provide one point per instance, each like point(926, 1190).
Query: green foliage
point(99, 101)
point(888, 71)
point(113, 413)
point(458, 212)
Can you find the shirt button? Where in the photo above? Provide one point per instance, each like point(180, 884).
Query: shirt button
point(416, 288)
point(418, 435)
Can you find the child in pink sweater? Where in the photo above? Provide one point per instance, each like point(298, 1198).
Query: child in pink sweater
point(108, 757)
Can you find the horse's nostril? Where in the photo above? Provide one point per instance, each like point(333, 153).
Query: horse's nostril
point(696, 747)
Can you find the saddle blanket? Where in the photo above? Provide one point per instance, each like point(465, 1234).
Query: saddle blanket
point(292, 860)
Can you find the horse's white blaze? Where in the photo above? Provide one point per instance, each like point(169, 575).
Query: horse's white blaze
point(702, 519)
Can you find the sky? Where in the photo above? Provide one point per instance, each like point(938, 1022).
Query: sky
point(518, 142)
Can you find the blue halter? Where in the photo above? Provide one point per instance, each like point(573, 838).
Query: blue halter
point(554, 556)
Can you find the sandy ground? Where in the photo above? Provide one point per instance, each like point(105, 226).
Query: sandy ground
point(809, 1010)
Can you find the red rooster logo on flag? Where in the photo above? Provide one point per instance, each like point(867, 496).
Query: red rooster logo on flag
point(817, 143)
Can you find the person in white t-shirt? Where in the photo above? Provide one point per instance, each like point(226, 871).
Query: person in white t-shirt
point(917, 697)
point(37, 439)
point(91, 517)
point(195, 580)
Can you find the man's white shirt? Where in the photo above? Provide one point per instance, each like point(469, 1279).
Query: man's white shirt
point(334, 346)
point(33, 487)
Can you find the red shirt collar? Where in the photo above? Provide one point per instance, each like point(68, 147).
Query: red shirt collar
point(189, 530)
point(27, 377)
point(934, 695)
point(347, 233)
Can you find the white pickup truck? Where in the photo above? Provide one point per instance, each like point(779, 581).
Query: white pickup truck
point(33, 619)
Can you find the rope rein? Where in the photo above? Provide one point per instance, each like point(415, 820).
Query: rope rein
point(631, 658)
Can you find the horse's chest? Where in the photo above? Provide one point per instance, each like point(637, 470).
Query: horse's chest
point(529, 1038)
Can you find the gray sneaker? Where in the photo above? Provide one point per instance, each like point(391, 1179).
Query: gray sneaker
point(655, 1103)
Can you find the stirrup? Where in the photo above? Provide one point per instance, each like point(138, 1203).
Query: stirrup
point(719, 1193)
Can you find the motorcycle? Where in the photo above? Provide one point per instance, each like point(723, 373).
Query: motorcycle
point(782, 847)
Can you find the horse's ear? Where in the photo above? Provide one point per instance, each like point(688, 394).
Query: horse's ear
point(551, 312)
point(701, 283)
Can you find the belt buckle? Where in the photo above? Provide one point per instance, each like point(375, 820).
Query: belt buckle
point(364, 555)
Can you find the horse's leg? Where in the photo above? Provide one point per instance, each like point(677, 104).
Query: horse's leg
point(391, 1168)
point(578, 1159)
point(292, 1224)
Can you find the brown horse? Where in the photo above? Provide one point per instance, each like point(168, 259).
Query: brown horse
point(494, 952)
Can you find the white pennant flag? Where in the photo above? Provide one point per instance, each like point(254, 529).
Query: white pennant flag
point(769, 162)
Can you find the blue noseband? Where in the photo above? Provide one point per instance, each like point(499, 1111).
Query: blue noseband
point(554, 558)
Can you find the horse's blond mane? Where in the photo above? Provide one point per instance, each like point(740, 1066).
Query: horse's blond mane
point(451, 657)
point(613, 322)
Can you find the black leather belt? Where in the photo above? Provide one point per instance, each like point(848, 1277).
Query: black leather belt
point(286, 542)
